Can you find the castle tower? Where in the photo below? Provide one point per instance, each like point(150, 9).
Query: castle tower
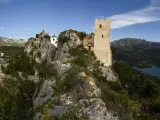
point(102, 41)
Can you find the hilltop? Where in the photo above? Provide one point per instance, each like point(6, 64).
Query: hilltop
point(137, 52)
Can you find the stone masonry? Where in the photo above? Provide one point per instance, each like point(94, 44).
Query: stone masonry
point(100, 41)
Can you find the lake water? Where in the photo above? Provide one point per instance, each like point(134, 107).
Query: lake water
point(154, 71)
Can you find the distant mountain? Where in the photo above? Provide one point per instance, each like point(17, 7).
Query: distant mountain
point(12, 42)
point(11, 47)
point(137, 52)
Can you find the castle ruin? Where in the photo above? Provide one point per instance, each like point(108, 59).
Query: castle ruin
point(100, 41)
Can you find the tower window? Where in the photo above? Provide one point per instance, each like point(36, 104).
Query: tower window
point(89, 48)
point(100, 26)
point(102, 36)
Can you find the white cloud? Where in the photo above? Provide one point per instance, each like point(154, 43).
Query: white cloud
point(26, 29)
point(1, 28)
point(149, 14)
point(4, 1)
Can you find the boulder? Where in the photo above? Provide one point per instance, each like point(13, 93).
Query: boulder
point(44, 94)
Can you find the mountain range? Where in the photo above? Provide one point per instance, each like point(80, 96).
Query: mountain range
point(137, 52)
point(11, 42)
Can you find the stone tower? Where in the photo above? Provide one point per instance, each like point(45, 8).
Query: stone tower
point(102, 41)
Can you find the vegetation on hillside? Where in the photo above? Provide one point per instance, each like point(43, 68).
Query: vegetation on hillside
point(137, 52)
point(135, 93)
point(143, 90)
point(20, 64)
point(11, 50)
point(16, 99)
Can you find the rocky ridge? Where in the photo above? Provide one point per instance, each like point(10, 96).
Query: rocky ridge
point(85, 93)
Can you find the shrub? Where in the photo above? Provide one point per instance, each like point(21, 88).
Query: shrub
point(124, 72)
point(16, 102)
point(46, 36)
point(81, 35)
point(116, 86)
point(20, 63)
point(39, 55)
point(37, 35)
point(62, 39)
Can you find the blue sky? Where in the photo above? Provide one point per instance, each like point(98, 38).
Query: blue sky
point(129, 18)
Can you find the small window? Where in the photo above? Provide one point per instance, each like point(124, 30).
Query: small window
point(100, 26)
point(89, 48)
point(102, 36)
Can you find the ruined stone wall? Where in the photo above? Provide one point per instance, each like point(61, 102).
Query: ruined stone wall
point(88, 42)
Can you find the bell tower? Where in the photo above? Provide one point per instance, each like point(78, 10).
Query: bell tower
point(102, 41)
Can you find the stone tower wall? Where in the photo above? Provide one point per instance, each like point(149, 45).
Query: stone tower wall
point(102, 41)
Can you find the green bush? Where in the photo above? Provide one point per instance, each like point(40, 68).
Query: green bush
point(116, 86)
point(124, 72)
point(37, 35)
point(11, 50)
point(82, 35)
point(16, 99)
point(62, 39)
point(20, 63)
point(46, 36)
point(39, 55)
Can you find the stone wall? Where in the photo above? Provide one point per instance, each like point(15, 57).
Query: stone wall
point(88, 42)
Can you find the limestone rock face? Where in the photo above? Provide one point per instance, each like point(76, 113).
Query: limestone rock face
point(63, 48)
point(40, 48)
point(95, 109)
point(109, 74)
point(85, 96)
point(61, 67)
point(44, 94)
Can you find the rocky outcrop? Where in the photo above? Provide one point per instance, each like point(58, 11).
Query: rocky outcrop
point(109, 74)
point(40, 48)
point(63, 47)
point(84, 94)
point(44, 94)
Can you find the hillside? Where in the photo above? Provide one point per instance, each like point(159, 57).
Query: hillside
point(12, 42)
point(11, 47)
point(137, 52)
point(67, 82)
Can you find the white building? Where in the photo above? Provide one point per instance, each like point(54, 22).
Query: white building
point(54, 40)
point(2, 54)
